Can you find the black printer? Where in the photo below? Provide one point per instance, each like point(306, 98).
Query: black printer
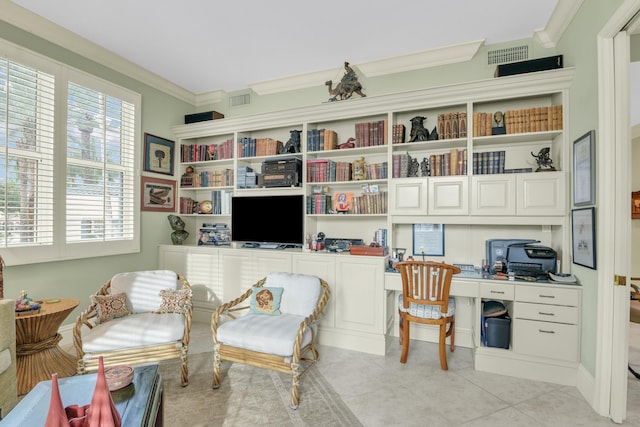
point(523, 257)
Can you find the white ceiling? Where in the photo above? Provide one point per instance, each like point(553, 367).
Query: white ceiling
point(208, 45)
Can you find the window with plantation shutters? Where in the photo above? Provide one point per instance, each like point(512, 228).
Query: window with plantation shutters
point(68, 150)
point(99, 173)
point(26, 155)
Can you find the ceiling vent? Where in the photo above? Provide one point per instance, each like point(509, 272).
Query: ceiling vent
point(237, 100)
point(510, 54)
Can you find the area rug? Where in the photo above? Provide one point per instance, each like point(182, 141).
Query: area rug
point(248, 396)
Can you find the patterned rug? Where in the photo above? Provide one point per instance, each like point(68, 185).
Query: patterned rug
point(247, 397)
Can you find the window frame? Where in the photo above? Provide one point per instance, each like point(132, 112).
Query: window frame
point(60, 249)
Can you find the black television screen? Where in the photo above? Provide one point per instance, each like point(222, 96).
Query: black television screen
point(268, 219)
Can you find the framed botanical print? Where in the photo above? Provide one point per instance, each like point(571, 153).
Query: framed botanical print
point(583, 237)
point(584, 183)
point(159, 154)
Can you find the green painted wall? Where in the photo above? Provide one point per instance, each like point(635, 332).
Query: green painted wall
point(78, 279)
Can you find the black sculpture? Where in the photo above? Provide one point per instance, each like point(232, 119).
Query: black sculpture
point(544, 160)
point(433, 136)
point(418, 131)
point(424, 167)
point(348, 85)
point(293, 144)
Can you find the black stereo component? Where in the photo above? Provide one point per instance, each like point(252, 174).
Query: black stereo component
point(282, 179)
point(289, 164)
point(530, 66)
point(202, 117)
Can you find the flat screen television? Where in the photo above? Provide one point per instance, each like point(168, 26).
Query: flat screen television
point(268, 219)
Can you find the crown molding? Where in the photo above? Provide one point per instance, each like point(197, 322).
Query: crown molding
point(208, 98)
point(396, 64)
point(47, 30)
point(559, 20)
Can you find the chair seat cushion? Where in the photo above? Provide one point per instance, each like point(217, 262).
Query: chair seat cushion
point(266, 334)
point(427, 311)
point(137, 330)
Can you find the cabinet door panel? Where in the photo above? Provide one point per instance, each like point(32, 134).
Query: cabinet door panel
point(546, 312)
point(269, 261)
point(409, 197)
point(449, 196)
point(359, 294)
point(541, 194)
point(235, 272)
point(493, 195)
point(202, 273)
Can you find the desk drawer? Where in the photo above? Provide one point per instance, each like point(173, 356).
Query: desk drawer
point(546, 339)
point(499, 291)
point(547, 295)
point(546, 312)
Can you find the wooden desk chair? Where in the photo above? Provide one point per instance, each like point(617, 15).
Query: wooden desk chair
point(425, 299)
point(279, 330)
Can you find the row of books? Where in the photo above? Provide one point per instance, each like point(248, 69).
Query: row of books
point(252, 147)
point(488, 162)
point(370, 134)
point(325, 170)
point(398, 133)
point(221, 202)
point(346, 203)
point(321, 139)
point(247, 177)
point(534, 119)
point(212, 178)
point(206, 152)
point(452, 163)
point(452, 125)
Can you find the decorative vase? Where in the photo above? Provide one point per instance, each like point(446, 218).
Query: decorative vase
point(102, 410)
point(56, 416)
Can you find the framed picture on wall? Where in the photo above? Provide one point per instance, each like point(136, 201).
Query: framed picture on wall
point(583, 237)
point(584, 165)
point(159, 154)
point(428, 239)
point(158, 195)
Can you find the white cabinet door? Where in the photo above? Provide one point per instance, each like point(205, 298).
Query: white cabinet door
point(173, 258)
point(541, 194)
point(202, 273)
point(325, 268)
point(359, 294)
point(493, 194)
point(236, 272)
point(265, 262)
point(448, 195)
point(408, 196)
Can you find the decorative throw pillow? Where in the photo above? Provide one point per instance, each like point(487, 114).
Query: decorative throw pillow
point(175, 301)
point(110, 306)
point(265, 300)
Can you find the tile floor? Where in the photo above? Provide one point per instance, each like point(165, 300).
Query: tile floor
point(383, 392)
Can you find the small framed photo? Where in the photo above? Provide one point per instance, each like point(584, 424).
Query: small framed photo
point(584, 237)
point(158, 195)
point(584, 173)
point(159, 154)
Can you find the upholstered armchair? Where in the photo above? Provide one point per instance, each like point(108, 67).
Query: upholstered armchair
point(136, 318)
point(276, 330)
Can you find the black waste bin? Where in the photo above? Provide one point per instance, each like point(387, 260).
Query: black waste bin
point(498, 331)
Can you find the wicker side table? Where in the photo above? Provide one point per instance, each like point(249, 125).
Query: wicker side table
point(37, 351)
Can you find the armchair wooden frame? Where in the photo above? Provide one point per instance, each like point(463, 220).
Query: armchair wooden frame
point(297, 364)
point(426, 283)
point(136, 355)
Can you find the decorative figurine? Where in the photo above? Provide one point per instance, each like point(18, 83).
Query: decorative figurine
point(348, 144)
point(544, 160)
point(433, 136)
point(424, 167)
point(179, 234)
point(347, 86)
point(359, 169)
point(414, 168)
point(418, 131)
point(293, 144)
point(24, 303)
point(498, 120)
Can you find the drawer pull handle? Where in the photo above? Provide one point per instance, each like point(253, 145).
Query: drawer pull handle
point(497, 292)
point(547, 296)
point(546, 332)
point(542, 313)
